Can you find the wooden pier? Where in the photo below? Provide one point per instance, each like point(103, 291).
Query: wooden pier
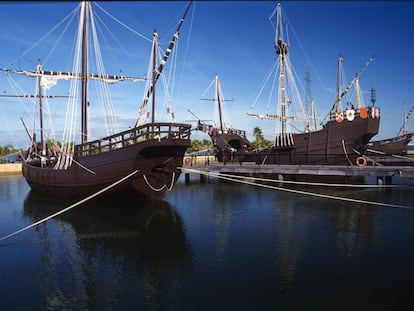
point(382, 173)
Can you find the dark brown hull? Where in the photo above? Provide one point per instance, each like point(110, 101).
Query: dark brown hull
point(227, 141)
point(334, 144)
point(228, 144)
point(157, 160)
point(396, 145)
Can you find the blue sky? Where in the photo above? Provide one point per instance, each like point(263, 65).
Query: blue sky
point(235, 40)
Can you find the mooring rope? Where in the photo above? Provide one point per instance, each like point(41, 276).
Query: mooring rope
point(84, 167)
point(71, 206)
point(163, 186)
point(306, 183)
point(326, 196)
point(346, 154)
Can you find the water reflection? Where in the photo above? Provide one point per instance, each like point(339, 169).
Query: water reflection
point(323, 244)
point(287, 245)
point(211, 246)
point(109, 249)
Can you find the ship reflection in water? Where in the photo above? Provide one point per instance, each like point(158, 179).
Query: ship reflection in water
point(209, 246)
point(271, 250)
point(109, 248)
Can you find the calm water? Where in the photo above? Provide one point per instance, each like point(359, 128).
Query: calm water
point(217, 246)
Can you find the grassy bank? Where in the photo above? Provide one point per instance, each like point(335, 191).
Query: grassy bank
point(10, 169)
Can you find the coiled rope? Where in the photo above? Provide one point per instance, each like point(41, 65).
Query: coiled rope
point(238, 179)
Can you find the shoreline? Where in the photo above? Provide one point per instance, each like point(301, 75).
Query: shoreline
point(7, 169)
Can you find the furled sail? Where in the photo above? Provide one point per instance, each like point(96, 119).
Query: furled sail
point(49, 76)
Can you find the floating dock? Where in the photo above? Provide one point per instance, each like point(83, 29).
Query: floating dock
point(384, 174)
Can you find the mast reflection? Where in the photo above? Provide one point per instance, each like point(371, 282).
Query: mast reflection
point(108, 248)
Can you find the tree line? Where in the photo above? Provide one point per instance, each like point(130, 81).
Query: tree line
point(8, 149)
point(196, 144)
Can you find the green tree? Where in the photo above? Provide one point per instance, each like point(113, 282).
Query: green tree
point(260, 142)
point(50, 142)
point(197, 145)
point(4, 150)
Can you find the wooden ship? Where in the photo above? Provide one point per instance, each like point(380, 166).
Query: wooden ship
point(396, 145)
point(342, 137)
point(147, 155)
point(229, 143)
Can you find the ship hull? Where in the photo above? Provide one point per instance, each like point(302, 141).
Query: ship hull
point(334, 144)
point(396, 145)
point(227, 143)
point(156, 162)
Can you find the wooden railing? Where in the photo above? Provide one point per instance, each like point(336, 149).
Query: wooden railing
point(157, 132)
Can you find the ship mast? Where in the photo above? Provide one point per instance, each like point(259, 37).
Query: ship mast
point(310, 104)
point(335, 107)
point(154, 77)
point(218, 97)
point(84, 77)
point(40, 95)
point(406, 116)
point(338, 83)
point(219, 101)
point(282, 50)
point(157, 72)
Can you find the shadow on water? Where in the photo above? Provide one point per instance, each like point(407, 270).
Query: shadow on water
point(277, 250)
point(111, 249)
point(214, 246)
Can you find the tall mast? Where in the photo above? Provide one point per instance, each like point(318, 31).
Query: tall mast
point(282, 50)
point(350, 85)
point(404, 125)
point(84, 72)
point(219, 102)
point(160, 68)
point(338, 83)
point(154, 76)
point(310, 104)
point(40, 95)
point(308, 91)
point(358, 95)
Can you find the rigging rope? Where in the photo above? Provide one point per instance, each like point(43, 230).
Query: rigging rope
point(326, 196)
point(70, 207)
point(106, 99)
point(44, 37)
point(122, 24)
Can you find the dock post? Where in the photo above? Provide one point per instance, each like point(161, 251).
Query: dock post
point(388, 180)
point(187, 178)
